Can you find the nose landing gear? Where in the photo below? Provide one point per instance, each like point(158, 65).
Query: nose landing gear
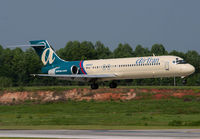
point(184, 81)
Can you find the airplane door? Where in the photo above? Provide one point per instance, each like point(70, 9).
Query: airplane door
point(166, 65)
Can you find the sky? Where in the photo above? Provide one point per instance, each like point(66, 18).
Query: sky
point(173, 23)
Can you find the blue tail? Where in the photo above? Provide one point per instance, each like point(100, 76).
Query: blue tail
point(46, 52)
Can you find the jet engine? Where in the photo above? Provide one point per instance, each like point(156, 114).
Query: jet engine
point(74, 69)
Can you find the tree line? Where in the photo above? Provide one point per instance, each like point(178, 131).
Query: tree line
point(16, 65)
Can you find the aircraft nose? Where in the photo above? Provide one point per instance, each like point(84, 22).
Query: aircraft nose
point(189, 69)
point(192, 69)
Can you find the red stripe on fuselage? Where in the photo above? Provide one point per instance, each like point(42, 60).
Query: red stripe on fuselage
point(80, 64)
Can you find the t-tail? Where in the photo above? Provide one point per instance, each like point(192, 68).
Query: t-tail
point(46, 52)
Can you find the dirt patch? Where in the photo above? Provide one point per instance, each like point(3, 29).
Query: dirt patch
point(97, 95)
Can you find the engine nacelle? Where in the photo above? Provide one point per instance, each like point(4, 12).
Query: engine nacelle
point(74, 69)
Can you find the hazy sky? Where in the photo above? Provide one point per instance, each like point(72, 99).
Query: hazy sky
point(173, 23)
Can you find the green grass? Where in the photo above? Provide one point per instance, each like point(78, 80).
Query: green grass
point(94, 127)
point(135, 114)
point(41, 88)
point(162, 87)
point(102, 115)
point(62, 88)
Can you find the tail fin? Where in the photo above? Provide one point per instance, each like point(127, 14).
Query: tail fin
point(45, 52)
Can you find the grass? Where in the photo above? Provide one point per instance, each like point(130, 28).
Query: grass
point(136, 114)
point(41, 88)
point(94, 127)
point(62, 88)
point(162, 87)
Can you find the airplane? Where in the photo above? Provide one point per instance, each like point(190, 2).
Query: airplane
point(95, 71)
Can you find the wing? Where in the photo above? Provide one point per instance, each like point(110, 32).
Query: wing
point(78, 77)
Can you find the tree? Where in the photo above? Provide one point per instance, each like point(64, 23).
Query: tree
point(18, 66)
point(140, 51)
point(77, 51)
point(5, 82)
point(1, 59)
point(87, 51)
point(176, 53)
point(1, 49)
point(5, 79)
point(158, 49)
point(123, 51)
point(102, 52)
point(193, 58)
point(6, 65)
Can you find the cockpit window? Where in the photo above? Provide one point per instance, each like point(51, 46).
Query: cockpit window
point(181, 62)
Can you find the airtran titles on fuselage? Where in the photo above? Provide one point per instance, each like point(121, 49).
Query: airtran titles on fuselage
point(149, 60)
point(47, 57)
point(61, 71)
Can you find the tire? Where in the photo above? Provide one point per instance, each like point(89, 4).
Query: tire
point(94, 86)
point(113, 85)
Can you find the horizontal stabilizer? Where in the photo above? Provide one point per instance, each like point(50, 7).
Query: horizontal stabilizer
point(26, 45)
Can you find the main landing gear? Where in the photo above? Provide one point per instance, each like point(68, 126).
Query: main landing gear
point(113, 85)
point(94, 86)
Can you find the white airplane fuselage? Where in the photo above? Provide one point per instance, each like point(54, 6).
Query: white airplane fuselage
point(139, 67)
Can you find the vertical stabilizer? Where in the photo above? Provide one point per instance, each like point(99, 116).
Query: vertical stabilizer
point(45, 52)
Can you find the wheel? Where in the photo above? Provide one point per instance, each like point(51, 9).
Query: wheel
point(184, 82)
point(113, 85)
point(94, 86)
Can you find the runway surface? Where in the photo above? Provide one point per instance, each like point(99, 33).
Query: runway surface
point(105, 134)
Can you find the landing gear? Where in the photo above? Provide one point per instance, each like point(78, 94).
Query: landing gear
point(184, 81)
point(94, 86)
point(113, 85)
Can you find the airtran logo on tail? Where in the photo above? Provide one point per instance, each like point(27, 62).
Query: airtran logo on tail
point(47, 57)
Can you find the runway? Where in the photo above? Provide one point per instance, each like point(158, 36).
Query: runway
point(105, 134)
